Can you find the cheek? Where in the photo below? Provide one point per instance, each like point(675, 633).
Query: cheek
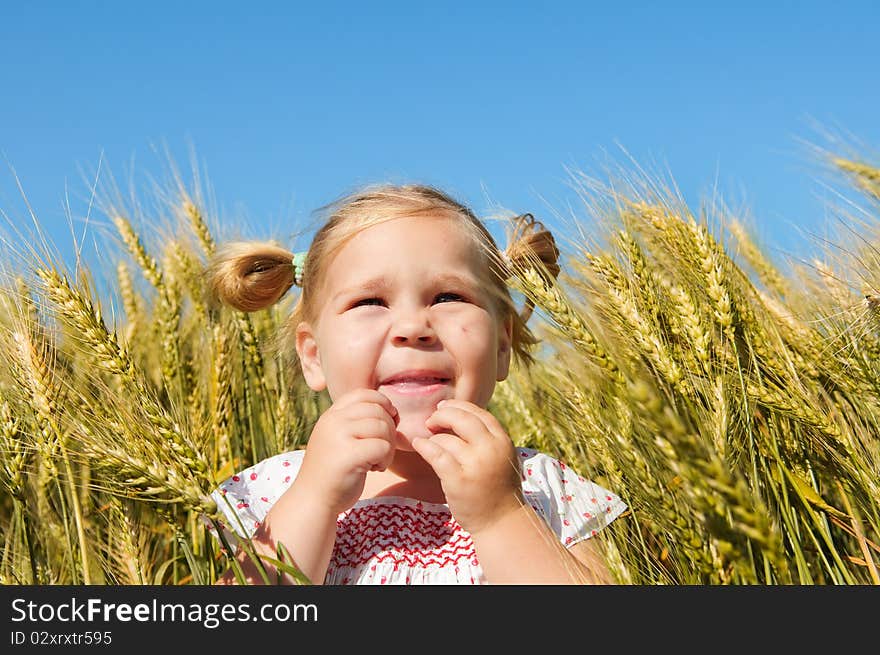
point(347, 349)
point(473, 339)
point(357, 342)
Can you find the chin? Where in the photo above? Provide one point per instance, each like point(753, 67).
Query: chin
point(411, 428)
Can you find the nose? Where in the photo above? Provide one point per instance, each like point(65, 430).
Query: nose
point(413, 327)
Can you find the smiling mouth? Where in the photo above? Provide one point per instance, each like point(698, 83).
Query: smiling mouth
point(416, 385)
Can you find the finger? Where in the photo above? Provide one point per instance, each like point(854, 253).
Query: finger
point(452, 444)
point(438, 458)
point(465, 424)
point(366, 410)
point(365, 396)
point(373, 454)
point(486, 417)
point(374, 428)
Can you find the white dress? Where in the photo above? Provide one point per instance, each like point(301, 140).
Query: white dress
point(396, 540)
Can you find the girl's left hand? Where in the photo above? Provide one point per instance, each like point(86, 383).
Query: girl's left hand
point(476, 462)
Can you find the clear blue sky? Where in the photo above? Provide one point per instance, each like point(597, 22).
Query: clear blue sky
point(289, 104)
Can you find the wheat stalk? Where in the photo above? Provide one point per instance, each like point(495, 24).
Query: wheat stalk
point(199, 226)
point(767, 272)
point(647, 339)
point(39, 382)
point(866, 177)
point(221, 395)
point(133, 242)
point(551, 299)
point(86, 322)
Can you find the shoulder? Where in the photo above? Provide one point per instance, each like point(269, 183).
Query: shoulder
point(542, 472)
point(276, 471)
point(575, 507)
point(246, 497)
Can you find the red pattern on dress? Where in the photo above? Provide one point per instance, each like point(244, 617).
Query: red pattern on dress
point(406, 536)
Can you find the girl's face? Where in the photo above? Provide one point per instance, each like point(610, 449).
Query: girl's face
point(404, 311)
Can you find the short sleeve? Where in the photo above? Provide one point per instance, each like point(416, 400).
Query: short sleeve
point(246, 497)
point(575, 508)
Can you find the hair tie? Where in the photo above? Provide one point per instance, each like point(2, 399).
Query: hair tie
point(299, 267)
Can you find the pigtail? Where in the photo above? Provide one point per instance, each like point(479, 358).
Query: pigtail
point(531, 245)
point(250, 276)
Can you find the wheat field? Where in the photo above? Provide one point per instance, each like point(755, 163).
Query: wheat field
point(732, 404)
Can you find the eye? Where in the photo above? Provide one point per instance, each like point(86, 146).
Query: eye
point(367, 301)
point(449, 297)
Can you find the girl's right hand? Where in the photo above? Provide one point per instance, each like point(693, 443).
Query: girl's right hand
point(354, 436)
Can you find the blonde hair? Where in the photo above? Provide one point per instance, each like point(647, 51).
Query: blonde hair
point(254, 275)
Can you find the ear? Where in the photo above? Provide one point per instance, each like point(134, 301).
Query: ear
point(505, 341)
point(309, 357)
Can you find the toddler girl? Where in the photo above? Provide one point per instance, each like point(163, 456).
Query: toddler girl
point(405, 319)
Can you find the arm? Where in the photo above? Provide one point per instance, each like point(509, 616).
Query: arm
point(520, 548)
point(305, 529)
point(481, 477)
point(352, 437)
